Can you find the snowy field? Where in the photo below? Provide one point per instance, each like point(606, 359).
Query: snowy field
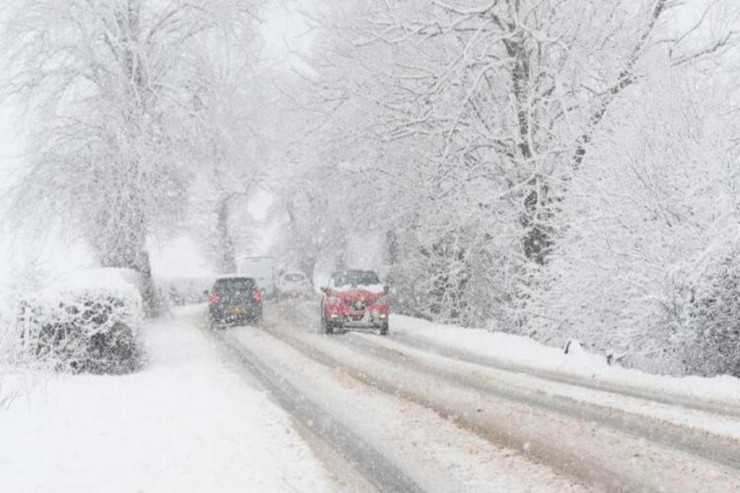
point(186, 422)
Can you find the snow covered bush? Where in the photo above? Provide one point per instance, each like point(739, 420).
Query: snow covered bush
point(646, 264)
point(86, 324)
point(463, 153)
point(711, 318)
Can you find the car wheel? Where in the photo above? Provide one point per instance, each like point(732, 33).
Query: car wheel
point(212, 324)
point(384, 329)
point(326, 327)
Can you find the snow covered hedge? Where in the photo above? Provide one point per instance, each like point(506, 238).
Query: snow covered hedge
point(88, 323)
point(711, 317)
point(647, 263)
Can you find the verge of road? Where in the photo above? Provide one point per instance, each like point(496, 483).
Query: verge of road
point(713, 447)
point(614, 388)
point(700, 419)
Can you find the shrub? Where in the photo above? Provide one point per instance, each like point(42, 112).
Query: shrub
point(712, 318)
point(89, 323)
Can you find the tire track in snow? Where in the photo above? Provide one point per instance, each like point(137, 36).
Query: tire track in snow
point(695, 441)
point(380, 472)
point(722, 450)
point(598, 470)
point(613, 388)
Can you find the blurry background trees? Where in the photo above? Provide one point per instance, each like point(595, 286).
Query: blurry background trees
point(551, 168)
point(116, 93)
point(543, 168)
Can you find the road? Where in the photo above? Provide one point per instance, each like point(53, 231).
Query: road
point(392, 414)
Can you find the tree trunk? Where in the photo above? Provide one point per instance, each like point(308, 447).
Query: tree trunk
point(153, 302)
point(118, 237)
point(225, 249)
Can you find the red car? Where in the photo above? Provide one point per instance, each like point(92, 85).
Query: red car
point(354, 299)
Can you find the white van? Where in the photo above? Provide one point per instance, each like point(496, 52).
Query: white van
point(262, 270)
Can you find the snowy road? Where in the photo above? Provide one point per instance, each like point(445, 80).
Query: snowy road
point(421, 420)
point(360, 412)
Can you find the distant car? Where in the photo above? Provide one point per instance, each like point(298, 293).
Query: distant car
point(294, 284)
point(354, 299)
point(234, 300)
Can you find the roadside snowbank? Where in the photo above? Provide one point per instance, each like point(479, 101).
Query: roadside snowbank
point(184, 423)
point(518, 351)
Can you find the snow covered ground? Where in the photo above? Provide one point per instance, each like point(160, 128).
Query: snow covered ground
point(186, 422)
point(195, 420)
point(525, 353)
point(605, 439)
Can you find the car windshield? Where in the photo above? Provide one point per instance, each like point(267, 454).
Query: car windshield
point(234, 285)
point(355, 278)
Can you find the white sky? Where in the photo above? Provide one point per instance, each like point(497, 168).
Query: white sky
point(284, 34)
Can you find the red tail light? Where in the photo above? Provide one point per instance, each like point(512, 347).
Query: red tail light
point(257, 296)
point(213, 299)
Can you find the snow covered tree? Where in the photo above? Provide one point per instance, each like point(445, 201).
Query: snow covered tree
point(111, 89)
point(233, 138)
point(646, 264)
point(473, 119)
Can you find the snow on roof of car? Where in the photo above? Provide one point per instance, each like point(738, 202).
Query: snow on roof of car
point(370, 288)
point(234, 276)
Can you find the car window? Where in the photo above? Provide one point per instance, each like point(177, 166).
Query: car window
point(355, 278)
point(234, 285)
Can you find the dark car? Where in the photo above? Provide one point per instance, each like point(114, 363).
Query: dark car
point(235, 300)
point(354, 299)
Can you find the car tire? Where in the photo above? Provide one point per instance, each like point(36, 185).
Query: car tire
point(326, 327)
point(384, 329)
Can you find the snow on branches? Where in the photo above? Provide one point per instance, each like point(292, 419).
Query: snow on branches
point(112, 95)
point(525, 162)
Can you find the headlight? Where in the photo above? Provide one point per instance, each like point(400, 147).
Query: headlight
point(333, 301)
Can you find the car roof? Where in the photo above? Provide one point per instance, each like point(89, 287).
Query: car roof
point(354, 271)
point(239, 277)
